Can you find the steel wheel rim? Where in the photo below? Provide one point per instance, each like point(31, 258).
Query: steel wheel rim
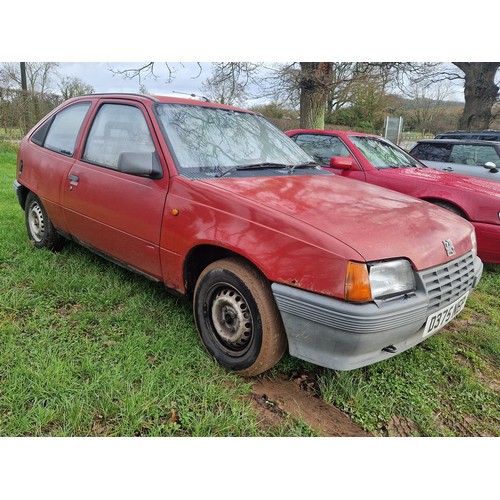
point(230, 318)
point(36, 222)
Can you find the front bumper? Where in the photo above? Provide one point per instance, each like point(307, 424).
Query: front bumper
point(344, 336)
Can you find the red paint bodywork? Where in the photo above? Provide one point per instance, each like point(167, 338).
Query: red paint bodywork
point(478, 199)
point(298, 230)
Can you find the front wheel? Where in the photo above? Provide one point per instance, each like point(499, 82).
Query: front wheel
point(237, 317)
point(41, 232)
point(449, 207)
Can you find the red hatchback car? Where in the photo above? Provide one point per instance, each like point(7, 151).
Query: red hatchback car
point(220, 206)
point(372, 159)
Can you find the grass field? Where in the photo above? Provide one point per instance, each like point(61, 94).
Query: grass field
point(89, 349)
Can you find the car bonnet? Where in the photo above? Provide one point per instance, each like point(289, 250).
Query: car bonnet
point(376, 222)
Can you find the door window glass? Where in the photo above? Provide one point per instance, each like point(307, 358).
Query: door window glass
point(432, 152)
point(485, 154)
point(322, 147)
point(469, 154)
point(117, 129)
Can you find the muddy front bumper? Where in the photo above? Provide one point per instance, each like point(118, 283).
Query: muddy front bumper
point(344, 336)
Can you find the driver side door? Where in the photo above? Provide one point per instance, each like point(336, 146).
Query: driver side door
point(115, 213)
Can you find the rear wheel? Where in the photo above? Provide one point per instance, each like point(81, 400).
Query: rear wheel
point(237, 317)
point(41, 232)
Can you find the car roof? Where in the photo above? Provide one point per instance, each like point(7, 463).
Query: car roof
point(330, 132)
point(474, 142)
point(161, 98)
point(483, 131)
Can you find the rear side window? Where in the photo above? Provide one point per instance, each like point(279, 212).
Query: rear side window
point(432, 152)
point(117, 129)
point(60, 133)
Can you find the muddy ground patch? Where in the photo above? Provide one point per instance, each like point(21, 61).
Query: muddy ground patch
point(277, 397)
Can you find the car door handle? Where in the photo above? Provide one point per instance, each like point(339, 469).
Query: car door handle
point(74, 178)
point(448, 169)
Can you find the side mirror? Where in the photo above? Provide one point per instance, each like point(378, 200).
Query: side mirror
point(491, 166)
point(341, 162)
point(141, 164)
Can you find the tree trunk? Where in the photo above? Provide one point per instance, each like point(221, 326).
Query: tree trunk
point(480, 93)
point(315, 80)
point(25, 99)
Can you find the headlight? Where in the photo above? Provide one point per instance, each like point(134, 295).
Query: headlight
point(474, 242)
point(366, 282)
point(391, 278)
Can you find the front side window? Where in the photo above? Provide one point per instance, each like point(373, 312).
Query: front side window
point(61, 133)
point(381, 154)
point(117, 129)
point(322, 147)
point(216, 141)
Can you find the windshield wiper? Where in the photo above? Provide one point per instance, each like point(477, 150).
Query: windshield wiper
point(397, 166)
point(291, 168)
point(222, 173)
point(248, 166)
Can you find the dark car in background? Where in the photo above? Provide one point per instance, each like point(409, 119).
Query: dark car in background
point(479, 158)
point(483, 135)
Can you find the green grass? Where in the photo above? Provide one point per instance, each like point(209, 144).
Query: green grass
point(89, 349)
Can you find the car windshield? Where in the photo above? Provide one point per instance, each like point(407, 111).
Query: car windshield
point(382, 154)
point(218, 141)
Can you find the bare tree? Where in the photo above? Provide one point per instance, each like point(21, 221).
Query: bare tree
point(428, 103)
point(73, 87)
point(39, 75)
point(29, 85)
point(481, 88)
point(316, 86)
point(230, 82)
point(148, 70)
point(481, 92)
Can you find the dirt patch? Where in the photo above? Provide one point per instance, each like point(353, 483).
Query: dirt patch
point(401, 427)
point(277, 397)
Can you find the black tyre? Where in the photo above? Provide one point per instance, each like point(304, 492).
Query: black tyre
point(41, 232)
point(237, 318)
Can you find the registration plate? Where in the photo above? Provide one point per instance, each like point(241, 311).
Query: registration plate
point(442, 317)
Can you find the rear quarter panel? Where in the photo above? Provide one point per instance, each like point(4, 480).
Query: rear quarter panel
point(44, 172)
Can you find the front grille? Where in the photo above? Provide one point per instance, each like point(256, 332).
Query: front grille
point(447, 282)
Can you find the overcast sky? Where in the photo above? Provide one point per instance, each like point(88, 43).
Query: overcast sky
point(186, 76)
